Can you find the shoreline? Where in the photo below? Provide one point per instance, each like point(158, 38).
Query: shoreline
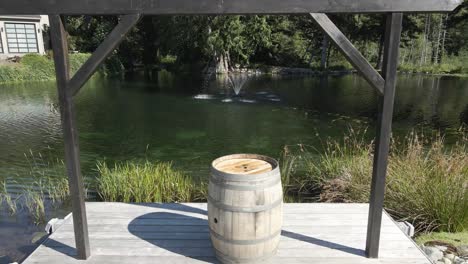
point(294, 71)
point(277, 71)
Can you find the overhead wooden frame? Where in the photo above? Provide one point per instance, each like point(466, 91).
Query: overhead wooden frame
point(131, 11)
point(199, 7)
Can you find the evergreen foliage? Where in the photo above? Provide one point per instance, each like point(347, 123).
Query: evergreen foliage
point(429, 41)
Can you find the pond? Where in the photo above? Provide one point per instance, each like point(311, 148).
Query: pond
point(191, 120)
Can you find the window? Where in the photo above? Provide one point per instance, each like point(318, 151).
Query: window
point(21, 38)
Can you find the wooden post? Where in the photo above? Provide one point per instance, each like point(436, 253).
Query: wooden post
point(384, 128)
point(70, 135)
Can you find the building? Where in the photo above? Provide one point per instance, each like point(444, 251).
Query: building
point(20, 35)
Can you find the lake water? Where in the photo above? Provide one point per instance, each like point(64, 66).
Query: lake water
point(191, 120)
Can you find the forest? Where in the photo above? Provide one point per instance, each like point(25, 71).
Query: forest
point(431, 43)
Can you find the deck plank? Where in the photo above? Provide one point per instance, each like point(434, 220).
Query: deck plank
point(178, 233)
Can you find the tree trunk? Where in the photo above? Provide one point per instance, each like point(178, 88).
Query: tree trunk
point(428, 37)
point(222, 63)
point(439, 36)
point(330, 49)
point(324, 57)
point(379, 57)
point(444, 35)
point(150, 44)
point(410, 55)
point(426, 32)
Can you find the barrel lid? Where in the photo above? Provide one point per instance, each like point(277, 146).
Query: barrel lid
point(243, 166)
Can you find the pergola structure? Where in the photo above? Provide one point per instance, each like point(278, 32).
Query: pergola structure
point(132, 10)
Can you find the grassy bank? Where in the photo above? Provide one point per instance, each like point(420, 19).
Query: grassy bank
point(34, 67)
point(426, 183)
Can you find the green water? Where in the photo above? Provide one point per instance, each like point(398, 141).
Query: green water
point(190, 120)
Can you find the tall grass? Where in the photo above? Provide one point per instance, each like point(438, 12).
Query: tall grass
point(146, 182)
point(49, 187)
point(10, 202)
point(49, 177)
point(426, 183)
point(287, 169)
point(35, 204)
point(296, 187)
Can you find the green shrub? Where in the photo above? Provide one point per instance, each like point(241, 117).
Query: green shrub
point(426, 184)
point(76, 60)
point(450, 65)
point(113, 66)
point(35, 67)
point(39, 67)
point(147, 182)
point(168, 59)
point(449, 68)
point(15, 73)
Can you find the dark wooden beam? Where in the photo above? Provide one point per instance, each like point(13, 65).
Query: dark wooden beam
point(114, 38)
point(384, 129)
point(70, 136)
point(174, 7)
point(349, 51)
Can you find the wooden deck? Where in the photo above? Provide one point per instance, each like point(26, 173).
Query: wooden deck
point(178, 233)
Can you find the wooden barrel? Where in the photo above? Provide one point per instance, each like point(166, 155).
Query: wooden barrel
point(245, 201)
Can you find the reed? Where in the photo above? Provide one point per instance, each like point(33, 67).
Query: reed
point(10, 202)
point(287, 163)
point(49, 176)
point(35, 205)
point(49, 185)
point(146, 182)
point(426, 183)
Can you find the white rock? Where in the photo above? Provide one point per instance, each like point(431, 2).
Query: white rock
point(458, 260)
point(450, 256)
point(441, 248)
point(463, 250)
point(433, 253)
point(446, 260)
